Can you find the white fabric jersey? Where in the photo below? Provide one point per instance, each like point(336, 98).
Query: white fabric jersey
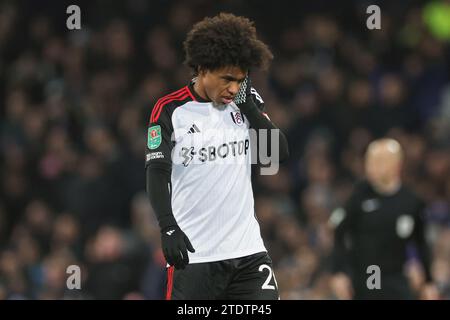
point(210, 156)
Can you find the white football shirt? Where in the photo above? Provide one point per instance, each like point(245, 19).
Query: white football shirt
point(209, 151)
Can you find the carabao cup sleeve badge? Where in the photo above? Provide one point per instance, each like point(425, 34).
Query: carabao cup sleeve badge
point(154, 137)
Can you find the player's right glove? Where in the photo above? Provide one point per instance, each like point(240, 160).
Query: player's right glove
point(175, 244)
point(243, 98)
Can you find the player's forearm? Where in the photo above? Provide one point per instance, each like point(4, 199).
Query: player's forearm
point(259, 121)
point(158, 190)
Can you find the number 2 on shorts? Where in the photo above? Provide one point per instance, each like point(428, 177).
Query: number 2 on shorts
point(266, 284)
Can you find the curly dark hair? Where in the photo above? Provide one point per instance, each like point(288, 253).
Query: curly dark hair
point(225, 40)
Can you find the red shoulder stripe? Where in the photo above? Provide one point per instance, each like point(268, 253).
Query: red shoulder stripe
point(178, 98)
point(161, 100)
point(190, 93)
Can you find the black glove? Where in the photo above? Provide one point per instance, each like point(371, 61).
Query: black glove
point(175, 245)
point(243, 99)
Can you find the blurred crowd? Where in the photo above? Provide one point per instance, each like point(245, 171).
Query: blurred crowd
point(74, 105)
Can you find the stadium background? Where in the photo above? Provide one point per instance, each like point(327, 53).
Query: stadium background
point(74, 107)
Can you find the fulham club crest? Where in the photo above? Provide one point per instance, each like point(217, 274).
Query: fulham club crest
point(237, 117)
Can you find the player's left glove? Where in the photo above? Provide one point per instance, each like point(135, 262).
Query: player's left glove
point(175, 245)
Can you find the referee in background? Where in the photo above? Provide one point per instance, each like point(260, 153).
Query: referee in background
point(374, 228)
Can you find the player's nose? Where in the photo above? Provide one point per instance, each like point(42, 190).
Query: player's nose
point(233, 88)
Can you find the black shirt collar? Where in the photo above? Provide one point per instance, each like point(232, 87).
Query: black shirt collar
point(195, 94)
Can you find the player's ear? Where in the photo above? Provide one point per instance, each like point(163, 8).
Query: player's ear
point(201, 71)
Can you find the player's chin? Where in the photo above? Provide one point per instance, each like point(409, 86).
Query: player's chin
point(219, 103)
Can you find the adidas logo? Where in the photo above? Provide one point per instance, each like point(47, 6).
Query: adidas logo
point(169, 233)
point(193, 129)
